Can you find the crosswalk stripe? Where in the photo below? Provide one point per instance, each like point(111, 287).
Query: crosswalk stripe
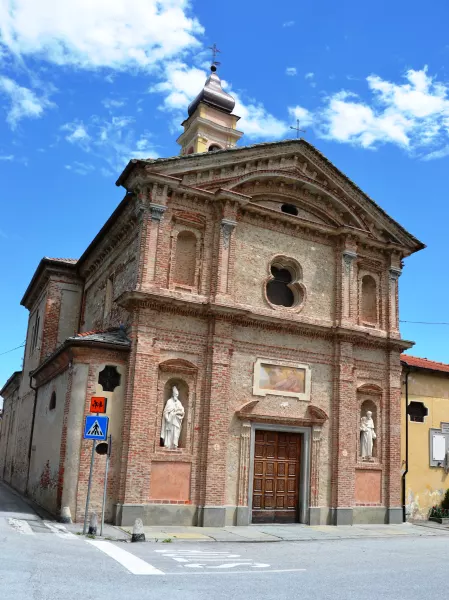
point(21, 526)
point(59, 530)
point(132, 563)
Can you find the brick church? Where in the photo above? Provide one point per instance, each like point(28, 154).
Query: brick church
point(256, 289)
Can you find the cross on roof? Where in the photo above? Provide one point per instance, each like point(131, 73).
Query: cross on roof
point(215, 51)
point(297, 129)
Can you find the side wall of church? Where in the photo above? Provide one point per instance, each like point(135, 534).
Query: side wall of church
point(46, 444)
point(116, 273)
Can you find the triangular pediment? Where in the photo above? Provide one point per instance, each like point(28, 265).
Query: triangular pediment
point(291, 169)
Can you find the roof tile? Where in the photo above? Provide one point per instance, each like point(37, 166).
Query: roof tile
point(424, 363)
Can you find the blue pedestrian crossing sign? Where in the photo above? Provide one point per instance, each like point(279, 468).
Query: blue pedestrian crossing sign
point(96, 427)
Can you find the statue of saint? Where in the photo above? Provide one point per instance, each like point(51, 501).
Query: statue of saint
point(367, 436)
point(172, 420)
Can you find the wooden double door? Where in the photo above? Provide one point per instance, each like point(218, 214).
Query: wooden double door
point(277, 462)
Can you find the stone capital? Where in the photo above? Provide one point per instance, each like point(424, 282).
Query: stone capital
point(157, 211)
point(227, 227)
point(394, 273)
point(349, 257)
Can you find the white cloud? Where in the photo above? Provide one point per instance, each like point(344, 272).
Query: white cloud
point(111, 103)
point(302, 115)
point(80, 168)
point(309, 75)
point(24, 103)
point(288, 24)
point(7, 157)
point(291, 71)
point(180, 85)
point(98, 33)
point(113, 140)
point(413, 114)
point(77, 133)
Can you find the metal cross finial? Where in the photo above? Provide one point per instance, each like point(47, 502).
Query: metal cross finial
point(297, 129)
point(215, 51)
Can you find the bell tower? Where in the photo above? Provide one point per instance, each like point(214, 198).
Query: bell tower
point(210, 124)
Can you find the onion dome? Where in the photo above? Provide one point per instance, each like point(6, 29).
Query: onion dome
point(213, 95)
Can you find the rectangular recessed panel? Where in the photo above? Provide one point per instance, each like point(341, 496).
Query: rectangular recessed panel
point(280, 485)
point(258, 485)
point(269, 485)
point(292, 469)
point(258, 467)
point(269, 468)
point(281, 469)
point(259, 450)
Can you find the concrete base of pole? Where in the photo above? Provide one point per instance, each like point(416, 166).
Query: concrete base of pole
point(65, 515)
point(138, 534)
point(93, 524)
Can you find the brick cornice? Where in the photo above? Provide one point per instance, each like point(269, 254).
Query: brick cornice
point(200, 306)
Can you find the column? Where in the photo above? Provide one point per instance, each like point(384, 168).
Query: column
point(243, 485)
point(314, 510)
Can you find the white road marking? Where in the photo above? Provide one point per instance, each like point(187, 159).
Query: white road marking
point(59, 530)
point(184, 573)
point(132, 563)
point(21, 526)
point(200, 559)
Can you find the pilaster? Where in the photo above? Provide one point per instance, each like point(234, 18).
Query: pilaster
point(215, 429)
point(344, 435)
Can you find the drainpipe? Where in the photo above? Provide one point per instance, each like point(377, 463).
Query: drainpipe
point(31, 434)
point(404, 474)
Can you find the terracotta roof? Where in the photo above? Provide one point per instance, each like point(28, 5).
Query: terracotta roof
point(110, 336)
point(424, 363)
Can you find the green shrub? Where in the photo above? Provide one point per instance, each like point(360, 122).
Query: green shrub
point(445, 502)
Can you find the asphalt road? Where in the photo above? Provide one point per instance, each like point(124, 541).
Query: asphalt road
point(38, 561)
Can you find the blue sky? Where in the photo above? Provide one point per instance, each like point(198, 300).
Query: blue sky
point(87, 84)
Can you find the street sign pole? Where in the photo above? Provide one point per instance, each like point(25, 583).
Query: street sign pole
point(108, 455)
point(86, 512)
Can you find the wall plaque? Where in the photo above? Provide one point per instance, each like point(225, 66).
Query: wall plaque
point(281, 378)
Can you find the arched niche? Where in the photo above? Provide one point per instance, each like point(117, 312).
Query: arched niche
point(181, 373)
point(369, 399)
point(183, 389)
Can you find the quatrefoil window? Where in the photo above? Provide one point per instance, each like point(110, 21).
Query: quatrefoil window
point(109, 378)
point(284, 287)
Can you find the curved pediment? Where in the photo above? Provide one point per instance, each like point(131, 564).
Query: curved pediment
point(309, 196)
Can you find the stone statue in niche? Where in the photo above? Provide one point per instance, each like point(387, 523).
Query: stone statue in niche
point(367, 436)
point(172, 420)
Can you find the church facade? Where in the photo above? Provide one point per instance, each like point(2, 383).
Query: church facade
point(240, 302)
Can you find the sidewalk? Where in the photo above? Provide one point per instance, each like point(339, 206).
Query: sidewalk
point(269, 533)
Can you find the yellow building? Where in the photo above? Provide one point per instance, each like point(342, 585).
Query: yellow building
point(425, 398)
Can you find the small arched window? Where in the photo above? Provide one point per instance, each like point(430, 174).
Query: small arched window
point(52, 404)
point(369, 300)
point(185, 259)
point(213, 147)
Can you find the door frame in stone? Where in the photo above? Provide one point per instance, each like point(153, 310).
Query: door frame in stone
point(304, 476)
